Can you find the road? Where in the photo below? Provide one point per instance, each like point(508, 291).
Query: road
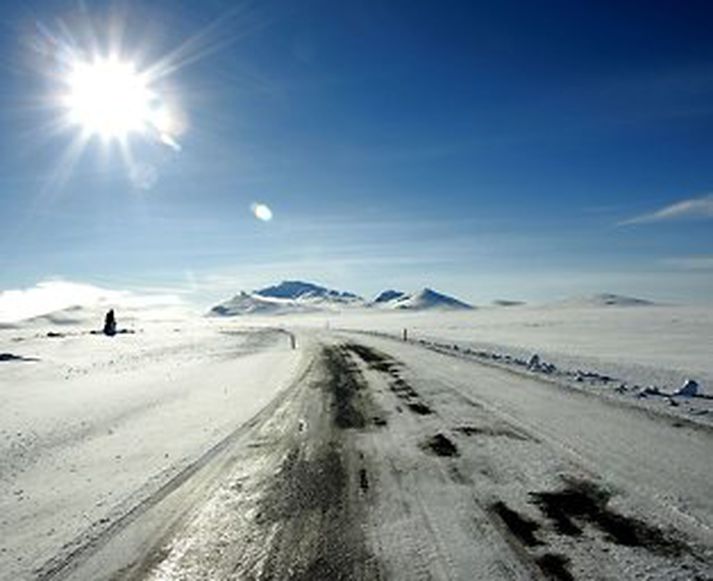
point(386, 460)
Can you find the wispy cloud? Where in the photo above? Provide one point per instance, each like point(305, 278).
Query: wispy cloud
point(691, 262)
point(692, 208)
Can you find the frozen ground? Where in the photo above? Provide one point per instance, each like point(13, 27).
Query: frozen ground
point(90, 426)
point(208, 449)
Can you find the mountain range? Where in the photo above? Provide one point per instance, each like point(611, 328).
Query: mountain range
point(294, 296)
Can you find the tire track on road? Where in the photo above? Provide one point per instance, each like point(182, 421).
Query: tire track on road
point(540, 543)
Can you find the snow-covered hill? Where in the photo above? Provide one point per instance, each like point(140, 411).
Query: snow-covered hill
point(428, 299)
point(254, 304)
point(605, 300)
point(507, 303)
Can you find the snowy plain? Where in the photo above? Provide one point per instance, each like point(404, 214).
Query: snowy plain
point(90, 425)
point(95, 430)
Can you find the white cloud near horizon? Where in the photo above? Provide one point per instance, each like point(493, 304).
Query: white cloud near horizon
point(701, 207)
point(49, 296)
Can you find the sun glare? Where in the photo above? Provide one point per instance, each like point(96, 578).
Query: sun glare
point(104, 92)
point(108, 97)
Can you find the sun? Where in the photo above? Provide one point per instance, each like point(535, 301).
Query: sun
point(108, 97)
point(114, 94)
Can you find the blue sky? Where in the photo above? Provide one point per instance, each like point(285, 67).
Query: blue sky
point(506, 149)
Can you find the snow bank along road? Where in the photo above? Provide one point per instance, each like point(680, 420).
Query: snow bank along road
point(384, 460)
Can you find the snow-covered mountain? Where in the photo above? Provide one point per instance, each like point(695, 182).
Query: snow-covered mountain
point(306, 291)
point(288, 297)
point(389, 296)
point(428, 299)
point(293, 296)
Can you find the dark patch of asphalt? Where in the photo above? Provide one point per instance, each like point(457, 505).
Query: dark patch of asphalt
point(317, 499)
point(582, 502)
point(440, 445)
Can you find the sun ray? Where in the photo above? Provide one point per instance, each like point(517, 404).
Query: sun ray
point(108, 93)
point(64, 167)
point(213, 38)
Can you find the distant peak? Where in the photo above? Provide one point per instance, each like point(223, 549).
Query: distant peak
point(389, 295)
point(289, 296)
point(507, 303)
point(295, 289)
point(427, 298)
point(606, 300)
point(298, 296)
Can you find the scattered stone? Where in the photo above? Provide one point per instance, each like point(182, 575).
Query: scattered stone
point(441, 446)
point(548, 368)
point(534, 362)
point(649, 390)
point(13, 357)
point(688, 389)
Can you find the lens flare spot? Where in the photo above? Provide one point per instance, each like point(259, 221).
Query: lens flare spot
point(261, 212)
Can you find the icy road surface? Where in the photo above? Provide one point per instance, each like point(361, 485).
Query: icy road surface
point(378, 459)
